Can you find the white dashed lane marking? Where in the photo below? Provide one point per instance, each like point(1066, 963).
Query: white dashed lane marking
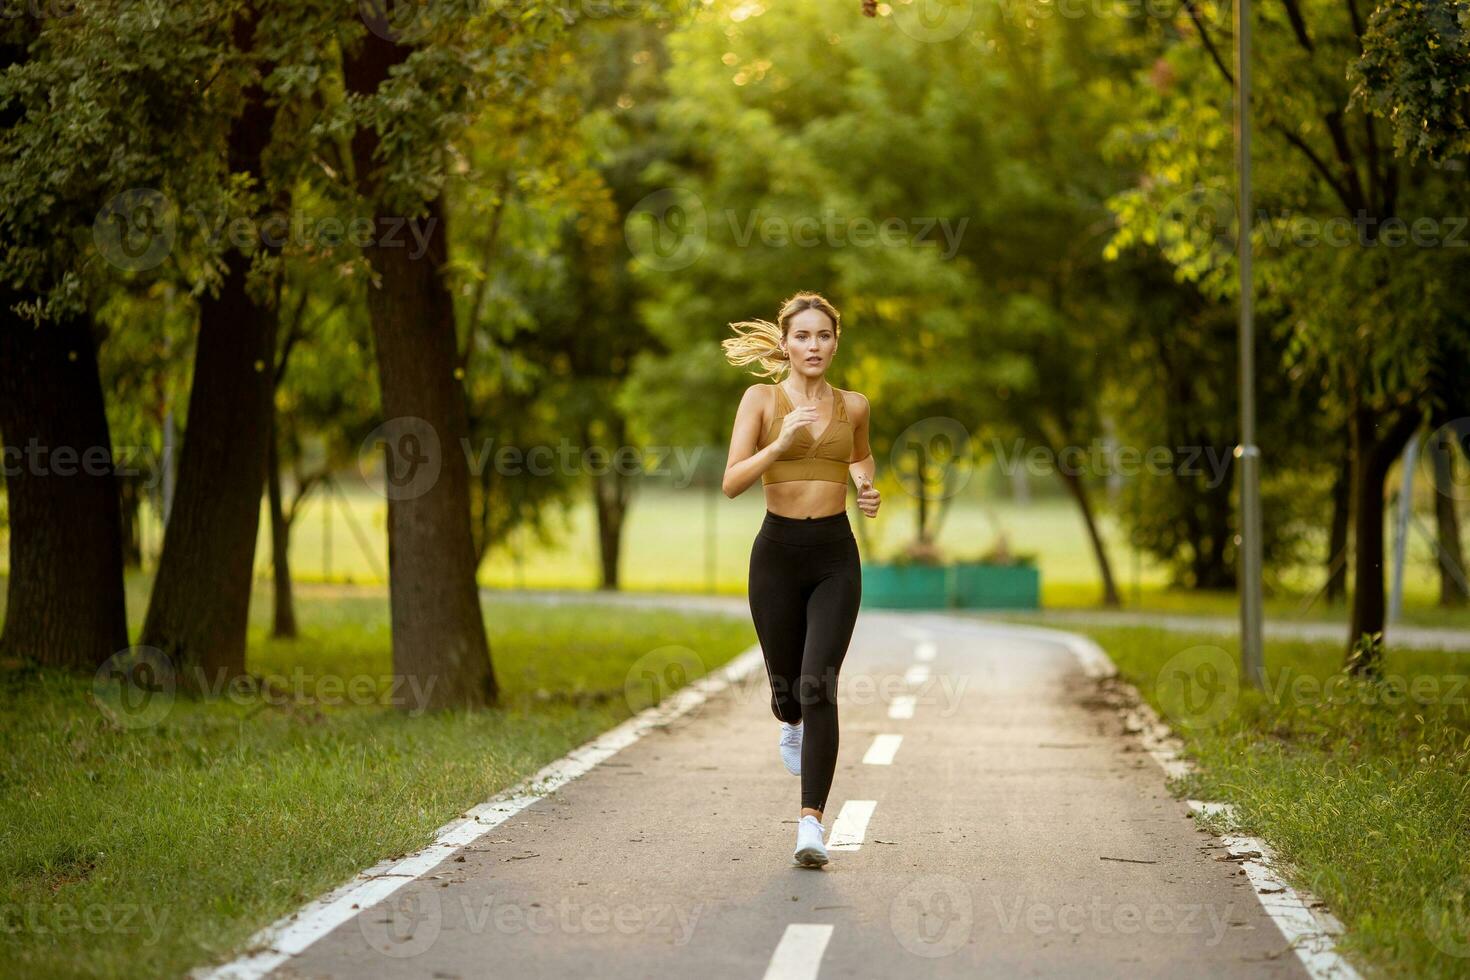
point(881, 752)
point(798, 955)
point(851, 825)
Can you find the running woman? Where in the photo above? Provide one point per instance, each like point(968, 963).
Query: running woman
point(803, 438)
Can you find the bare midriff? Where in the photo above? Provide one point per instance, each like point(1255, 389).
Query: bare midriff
point(806, 498)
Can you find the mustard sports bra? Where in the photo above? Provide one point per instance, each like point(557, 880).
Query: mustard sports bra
point(823, 458)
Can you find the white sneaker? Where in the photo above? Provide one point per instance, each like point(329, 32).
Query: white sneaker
point(810, 851)
point(791, 747)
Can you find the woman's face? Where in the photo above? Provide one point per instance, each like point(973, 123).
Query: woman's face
point(811, 340)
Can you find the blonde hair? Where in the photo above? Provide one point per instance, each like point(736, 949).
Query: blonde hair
point(759, 341)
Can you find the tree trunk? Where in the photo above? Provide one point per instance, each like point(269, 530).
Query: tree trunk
point(130, 494)
point(1073, 482)
point(921, 476)
point(201, 595)
point(439, 642)
point(283, 624)
point(1212, 523)
point(610, 514)
point(1337, 534)
point(610, 494)
point(1451, 559)
point(64, 598)
point(1378, 438)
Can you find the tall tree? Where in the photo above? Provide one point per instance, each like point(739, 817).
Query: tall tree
point(438, 628)
point(200, 604)
point(65, 600)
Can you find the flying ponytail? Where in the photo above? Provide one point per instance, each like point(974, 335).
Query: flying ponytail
point(759, 341)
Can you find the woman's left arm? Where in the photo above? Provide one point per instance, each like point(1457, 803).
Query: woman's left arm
point(863, 468)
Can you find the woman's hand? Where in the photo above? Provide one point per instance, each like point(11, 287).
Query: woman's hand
point(792, 423)
point(868, 498)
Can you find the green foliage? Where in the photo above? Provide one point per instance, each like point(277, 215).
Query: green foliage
point(1355, 302)
point(1415, 72)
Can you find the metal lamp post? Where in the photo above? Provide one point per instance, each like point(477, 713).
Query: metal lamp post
point(1252, 663)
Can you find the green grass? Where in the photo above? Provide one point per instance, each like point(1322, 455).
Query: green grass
point(146, 850)
point(1362, 788)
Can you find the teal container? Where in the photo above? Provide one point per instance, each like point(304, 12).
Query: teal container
point(963, 585)
point(888, 586)
point(981, 586)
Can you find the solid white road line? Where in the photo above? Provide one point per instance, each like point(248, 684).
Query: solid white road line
point(902, 706)
point(916, 675)
point(1309, 933)
point(289, 936)
point(798, 955)
point(924, 651)
point(851, 825)
point(881, 752)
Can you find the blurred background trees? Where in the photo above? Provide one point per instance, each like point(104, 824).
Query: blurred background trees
point(458, 273)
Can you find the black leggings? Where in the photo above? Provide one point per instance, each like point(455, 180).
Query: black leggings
point(805, 586)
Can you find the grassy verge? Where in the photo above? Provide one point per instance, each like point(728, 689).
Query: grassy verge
point(1421, 604)
point(133, 849)
point(1363, 788)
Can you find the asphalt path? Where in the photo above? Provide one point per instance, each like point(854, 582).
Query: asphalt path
point(989, 817)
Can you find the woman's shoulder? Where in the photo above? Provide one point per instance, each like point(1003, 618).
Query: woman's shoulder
point(762, 397)
point(856, 401)
point(760, 391)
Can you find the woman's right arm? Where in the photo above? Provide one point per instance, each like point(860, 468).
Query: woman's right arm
point(746, 463)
